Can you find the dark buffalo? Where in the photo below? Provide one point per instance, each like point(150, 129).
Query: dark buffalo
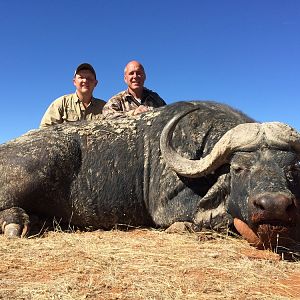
point(225, 169)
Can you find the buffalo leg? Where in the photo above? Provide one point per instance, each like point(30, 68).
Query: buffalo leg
point(14, 222)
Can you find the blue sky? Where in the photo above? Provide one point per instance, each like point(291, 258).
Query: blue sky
point(243, 53)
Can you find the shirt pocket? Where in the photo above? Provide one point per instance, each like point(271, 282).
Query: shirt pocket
point(70, 115)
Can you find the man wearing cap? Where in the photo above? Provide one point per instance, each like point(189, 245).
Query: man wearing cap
point(136, 99)
point(78, 106)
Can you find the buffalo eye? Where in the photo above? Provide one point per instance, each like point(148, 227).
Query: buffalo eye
point(237, 169)
point(293, 172)
point(289, 176)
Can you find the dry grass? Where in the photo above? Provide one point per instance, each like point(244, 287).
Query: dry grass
point(142, 264)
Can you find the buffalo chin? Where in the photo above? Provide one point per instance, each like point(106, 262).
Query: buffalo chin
point(277, 237)
point(280, 239)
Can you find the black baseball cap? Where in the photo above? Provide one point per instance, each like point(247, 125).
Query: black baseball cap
point(85, 66)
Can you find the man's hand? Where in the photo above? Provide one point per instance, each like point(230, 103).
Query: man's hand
point(141, 109)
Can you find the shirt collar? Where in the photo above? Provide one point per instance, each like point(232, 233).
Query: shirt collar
point(144, 94)
point(77, 100)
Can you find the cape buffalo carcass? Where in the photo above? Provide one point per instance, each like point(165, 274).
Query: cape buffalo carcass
point(200, 162)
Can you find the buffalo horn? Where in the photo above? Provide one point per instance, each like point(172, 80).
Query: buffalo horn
point(243, 137)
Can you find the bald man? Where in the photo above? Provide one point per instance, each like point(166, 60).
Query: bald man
point(136, 99)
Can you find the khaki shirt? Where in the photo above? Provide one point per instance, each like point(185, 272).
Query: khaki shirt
point(124, 102)
point(69, 108)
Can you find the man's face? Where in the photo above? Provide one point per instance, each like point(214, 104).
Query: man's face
point(85, 81)
point(134, 76)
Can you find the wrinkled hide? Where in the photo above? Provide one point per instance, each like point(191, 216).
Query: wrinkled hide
point(112, 171)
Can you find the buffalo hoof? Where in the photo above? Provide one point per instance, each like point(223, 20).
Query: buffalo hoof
point(14, 222)
point(14, 230)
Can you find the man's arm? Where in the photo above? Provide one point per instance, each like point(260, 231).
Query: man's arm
point(115, 107)
point(156, 100)
point(53, 115)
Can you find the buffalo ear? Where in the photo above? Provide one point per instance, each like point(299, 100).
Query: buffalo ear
point(216, 219)
point(216, 194)
point(212, 208)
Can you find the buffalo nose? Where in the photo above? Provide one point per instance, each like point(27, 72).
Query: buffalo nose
point(278, 205)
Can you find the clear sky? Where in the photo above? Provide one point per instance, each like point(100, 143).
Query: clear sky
point(240, 52)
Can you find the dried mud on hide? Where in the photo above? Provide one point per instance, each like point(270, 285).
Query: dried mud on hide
point(142, 264)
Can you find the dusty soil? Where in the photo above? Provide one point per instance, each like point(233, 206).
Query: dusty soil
point(142, 264)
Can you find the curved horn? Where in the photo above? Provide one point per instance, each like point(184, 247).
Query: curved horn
point(281, 135)
point(242, 137)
